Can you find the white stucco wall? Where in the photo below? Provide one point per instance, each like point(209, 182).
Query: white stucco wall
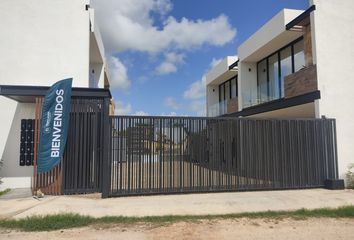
point(13, 175)
point(41, 42)
point(333, 33)
point(220, 72)
point(8, 108)
point(216, 76)
point(44, 41)
point(212, 99)
point(247, 82)
point(98, 75)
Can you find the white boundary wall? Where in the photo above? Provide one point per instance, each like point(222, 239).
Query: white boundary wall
point(333, 50)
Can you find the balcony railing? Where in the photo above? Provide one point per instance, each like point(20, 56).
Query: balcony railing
point(214, 110)
point(223, 107)
point(296, 84)
point(258, 101)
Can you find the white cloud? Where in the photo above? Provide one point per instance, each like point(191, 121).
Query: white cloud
point(166, 68)
point(198, 107)
point(196, 90)
point(122, 108)
point(174, 57)
point(171, 103)
point(146, 26)
point(172, 60)
point(171, 114)
point(187, 34)
point(141, 113)
point(118, 74)
point(215, 62)
point(129, 25)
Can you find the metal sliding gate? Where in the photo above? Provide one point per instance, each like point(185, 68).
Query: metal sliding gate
point(81, 169)
point(154, 155)
point(83, 156)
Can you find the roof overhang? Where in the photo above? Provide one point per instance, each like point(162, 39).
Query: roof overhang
point(223, 77)
point(224, 70)
point(234, 65)
point(28, 94)
point(270, 37)
point(302, 20)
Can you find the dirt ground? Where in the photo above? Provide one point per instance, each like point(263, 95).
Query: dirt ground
point(316, 228)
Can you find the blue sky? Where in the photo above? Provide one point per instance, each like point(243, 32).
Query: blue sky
point(159, 50)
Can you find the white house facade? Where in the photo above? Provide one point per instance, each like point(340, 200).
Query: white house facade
point(297, 65)
point(43, 42)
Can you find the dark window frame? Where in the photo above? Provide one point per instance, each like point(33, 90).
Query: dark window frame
point(229, 81)
point(291, 45)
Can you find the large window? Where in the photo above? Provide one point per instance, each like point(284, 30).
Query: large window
point(299, 57)
point(285, 66)
point(222, 104)
point(233, 88)
point(272, 70)
point(262, 81)
point(227, 91)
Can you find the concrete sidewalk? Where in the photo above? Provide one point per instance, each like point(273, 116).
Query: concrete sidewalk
point(188, 204)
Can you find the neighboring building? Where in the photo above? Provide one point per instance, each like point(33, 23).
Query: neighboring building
point(298, 65)
point(222, 88)
point(43, 42)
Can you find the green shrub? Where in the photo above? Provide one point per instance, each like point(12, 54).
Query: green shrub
point(5, 191)
point(350, 176)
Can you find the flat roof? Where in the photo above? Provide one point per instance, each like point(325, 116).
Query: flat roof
point(235, 64)
point(28, 94)
point(270, 37)
point(301, 20)
point(224, 70)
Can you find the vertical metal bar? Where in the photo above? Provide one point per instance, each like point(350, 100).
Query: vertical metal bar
point(180, 145)
point(334, 145)
point(170, 160)
point(106, 151)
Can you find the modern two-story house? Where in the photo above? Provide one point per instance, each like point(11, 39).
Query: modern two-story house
point(42, 42)
point(297, 65)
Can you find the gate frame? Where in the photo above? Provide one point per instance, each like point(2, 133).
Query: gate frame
point(322, 128)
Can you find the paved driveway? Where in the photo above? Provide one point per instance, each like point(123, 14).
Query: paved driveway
point(188, 204)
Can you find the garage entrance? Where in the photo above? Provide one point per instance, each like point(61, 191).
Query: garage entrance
point(163, 155)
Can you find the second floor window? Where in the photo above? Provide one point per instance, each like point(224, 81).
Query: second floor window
point(272, 70)
point(227, 91)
